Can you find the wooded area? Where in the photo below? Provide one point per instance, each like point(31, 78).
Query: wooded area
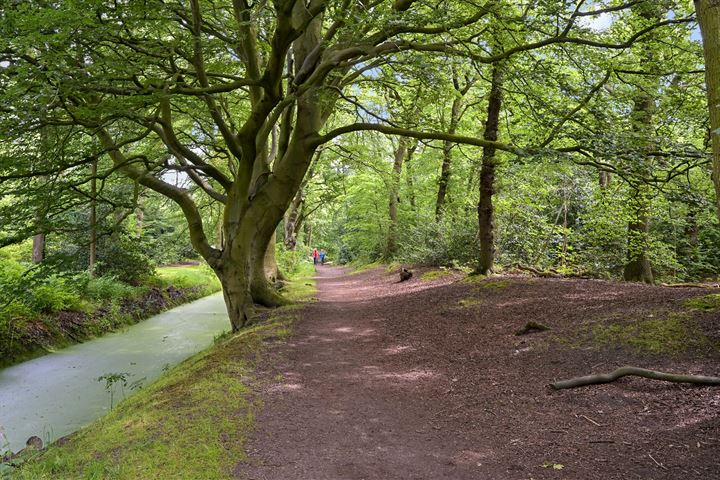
point(579, 136)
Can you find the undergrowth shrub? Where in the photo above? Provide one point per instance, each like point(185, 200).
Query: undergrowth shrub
point(289, 261)
point(108, 289)
point(53, 295)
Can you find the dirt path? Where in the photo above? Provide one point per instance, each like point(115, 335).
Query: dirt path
point(425, 380)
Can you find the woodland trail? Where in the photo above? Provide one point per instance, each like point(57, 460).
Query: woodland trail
point(425, 380)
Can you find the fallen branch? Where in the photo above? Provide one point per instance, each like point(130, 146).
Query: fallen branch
point(690, 285)
point(639, 372)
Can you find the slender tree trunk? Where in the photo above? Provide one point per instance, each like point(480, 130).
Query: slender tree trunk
point(486, 210)
point(394, 198)
point(446, 169)
point(292, 221)
point(92, 257)
point(38, 252)
point(410, 185)
point(604, 179)
point(708, 15)
point(139, 221)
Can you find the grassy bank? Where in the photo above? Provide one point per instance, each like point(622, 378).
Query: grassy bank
point(59, 311)
point(190, 424)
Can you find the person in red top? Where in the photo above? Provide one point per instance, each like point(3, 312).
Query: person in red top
point(315, 255)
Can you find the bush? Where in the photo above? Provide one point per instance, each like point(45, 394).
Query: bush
point(108, 289)
point(289, 262)
point(53, 295)
point(122, 257)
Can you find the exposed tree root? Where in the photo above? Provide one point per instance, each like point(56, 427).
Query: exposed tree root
point(639, 372)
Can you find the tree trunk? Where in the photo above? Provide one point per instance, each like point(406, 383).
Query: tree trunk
point(486, 211)
point(234, 275)
point(708, 16)
point(292, 221)
point(139, 222)
point(92, 256)
point(604, 179)
point(456, 113)
point(264, 270)
point(638, 268)
point(38, 252)
point(394, 198)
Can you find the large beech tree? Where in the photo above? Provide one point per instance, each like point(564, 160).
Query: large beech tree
point(238, 95)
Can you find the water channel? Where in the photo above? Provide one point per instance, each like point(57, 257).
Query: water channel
point(56, 394)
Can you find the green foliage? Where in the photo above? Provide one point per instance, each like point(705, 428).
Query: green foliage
point(53, 295)
point(123, 257)
point(199, 278)
point(291, 262)
point(108, 289)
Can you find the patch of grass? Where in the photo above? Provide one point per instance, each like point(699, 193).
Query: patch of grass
point(392, 267)
point(192, 423)
point(301, 286)
point(469, 302)
point(200, 277)
point(434, 275)
point(496, 284)
point(360, 268)
point(672, 334)
point(708, 302)
point(473, 279)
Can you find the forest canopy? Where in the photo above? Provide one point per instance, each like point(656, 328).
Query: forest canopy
point(567, 135)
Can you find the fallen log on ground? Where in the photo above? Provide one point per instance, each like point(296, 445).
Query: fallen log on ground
point(690, 285)
point(636, 371)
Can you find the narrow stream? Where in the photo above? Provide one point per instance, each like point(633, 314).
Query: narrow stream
point(59, 393)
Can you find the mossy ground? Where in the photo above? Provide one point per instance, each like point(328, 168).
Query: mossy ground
point(190, 424)
point(708, 302)
point(435, 274)
point(469, 302)
point(659, 333)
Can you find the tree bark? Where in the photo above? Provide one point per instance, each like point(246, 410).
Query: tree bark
point(292, 221)
point(708, 16)
point(638, 268)
point(92, 255)
point(456, 113)
point(38, 252)
point(233, 276)
point(486, 211)
point(264, 271)
point(604, 179)
point(394, 198)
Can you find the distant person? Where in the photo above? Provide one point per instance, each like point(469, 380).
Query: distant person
point(323, 254)
point(315, 256)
